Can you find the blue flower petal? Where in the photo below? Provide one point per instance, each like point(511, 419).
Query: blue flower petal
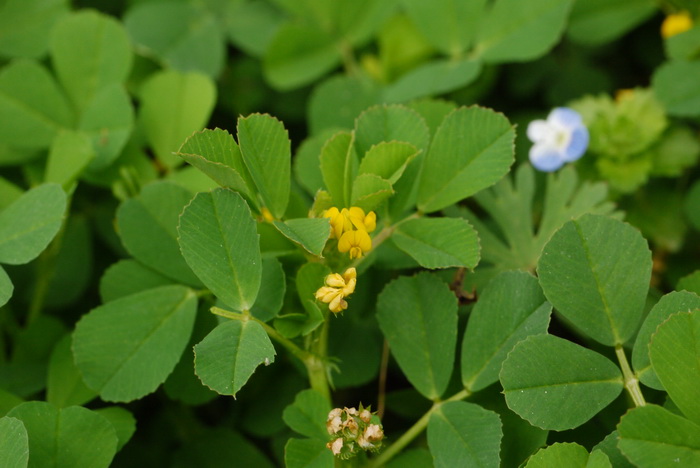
point(545, 158)
point(565, 117)
point(577, 145)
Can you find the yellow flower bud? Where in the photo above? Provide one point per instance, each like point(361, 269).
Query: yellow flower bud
point(356, 243)
point(339, 221)
point(337, 288)
point(676, 24)
point(361, 221)
point(267, 215)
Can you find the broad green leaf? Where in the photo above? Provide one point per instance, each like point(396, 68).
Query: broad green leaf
point(272, 289)
point(14, 443)
point(179, 35)
point(653, 437)
point(308, 414)
point(26, 24)
point(556, 384)
point(677, 85)
point(108, 119)
point(218, 448)
point(266, 151)
point(147, 225)
point(307, 453)
point(448, 25)
point(220, 243)
point(295, 324)
point(570, 455)
point(9, 192)
point(310, 277)
point(70, 153)
point(387, 123)
point(464, 434)
point(6, 287)
point(173, 106)
point(668, 305)
point(436, 77)
point(336, 102)
point(89, 50)
point(510, 308)
point(73, 437)
point(418, 316)
point(412, 458)
point(126, 348)
point(297, 55)
point(64, 386)
point(307, 159)
point(369, 191)
point(595, 271)
point(433, 111)
point(690, 282)
point(32, 107)
point(128, 277)
point(472, 149)
point(357, 344)
point(683, 46)
point(30, 223)
point(8, 401)
point(123, 422)
point(215, 153)
point(675, 355)
point(388, 159)
point(597, 22)
point(513, 30)
point(610, 448)
point(338, 166)
point(228, 356)
point(252, 25)
point(310, 233)
point(439, 242)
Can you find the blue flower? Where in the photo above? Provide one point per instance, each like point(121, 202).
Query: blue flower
point(560, 139)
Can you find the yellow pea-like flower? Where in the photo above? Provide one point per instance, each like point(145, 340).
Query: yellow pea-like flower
point(339, 221)
point(361, 221)
point(676, 24)
point(356, 243)
point(337, 288)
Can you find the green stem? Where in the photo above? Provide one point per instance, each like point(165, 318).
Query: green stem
point(414, 431)
point(631, 380)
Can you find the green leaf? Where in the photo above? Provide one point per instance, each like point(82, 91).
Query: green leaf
point(675, 355)
point(128, 277)
point(126, 348)
point(653, 437)
point(6, 287)
point(518, 31)
point(690, 282)
point(147, 226)
point(683, 46)
point(510, 308)
point(266, 151)
point(310, 233)
point(595, 271)
point(677, 85)
point(14, 443)
point(32, 106)
point(307, 453)
point(252, 25)
point(369, 191)
point(433, 78)
point(412, 458)
point(570, 455)
point(215, 153)
point(173, 105)
point(64, 384)
point(189, 40)
point(439, 242)
point(272, 290)
point(387, 123)
point(338, 166)
point(668, 305)
point(70, 153)
point(218, 448)
point(464, 434)
point(597, 22)
point(123, 422)
point(556, 384)
point(26, 24)
point(228, 356)
point(388, 159)
point(220, 243)
point(449, 26)
point(72, 437)
point(306, 162)
point(610, 448)
point(297, 55)
point(89, 51)
point(418, 316)
point(310, 277)
point(472, 149)
point(336, 102)
point(308, 414)
point(30, 223)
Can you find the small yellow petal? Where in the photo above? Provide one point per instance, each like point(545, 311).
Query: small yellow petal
point(350, 273)
point(676, 24)
point(335, 281)
point(350, 287)
point(338, 304)
point(371, 221)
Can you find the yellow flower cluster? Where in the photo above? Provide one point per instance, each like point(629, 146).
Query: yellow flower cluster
point(351, 226)
point(337, 288)
point(676, 24)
